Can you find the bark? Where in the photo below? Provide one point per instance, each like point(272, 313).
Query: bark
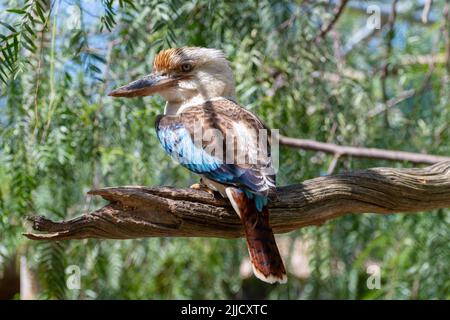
point(136, 212)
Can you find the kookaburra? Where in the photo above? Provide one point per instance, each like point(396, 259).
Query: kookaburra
point(198, 86)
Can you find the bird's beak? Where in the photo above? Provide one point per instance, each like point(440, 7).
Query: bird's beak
point(146, 86)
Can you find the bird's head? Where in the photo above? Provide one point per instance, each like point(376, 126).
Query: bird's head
point(183, 74)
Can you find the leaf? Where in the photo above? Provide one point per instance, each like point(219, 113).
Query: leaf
point(4, 76)
point(16, 47)
point(41, 15)
point(29, 44)
point(30, 31)
point(94, 68)
point(18, 11)
point(10, 27)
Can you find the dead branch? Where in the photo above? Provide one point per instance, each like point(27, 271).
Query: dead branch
point(136, 212)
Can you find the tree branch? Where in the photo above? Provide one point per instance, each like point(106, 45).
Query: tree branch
point(426, 11)
point(360, 152)
point(136, 212)
point(336, 14)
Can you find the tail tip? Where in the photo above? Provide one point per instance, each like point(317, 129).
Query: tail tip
point(271, 278)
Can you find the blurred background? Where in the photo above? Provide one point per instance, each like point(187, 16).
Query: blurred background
point(359, 73)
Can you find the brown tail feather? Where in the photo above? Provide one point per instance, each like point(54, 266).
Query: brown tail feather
point(264, 255)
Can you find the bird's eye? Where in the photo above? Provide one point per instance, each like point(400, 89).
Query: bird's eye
point(186, 67)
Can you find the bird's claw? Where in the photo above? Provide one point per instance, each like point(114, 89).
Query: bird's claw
point(201, 186)
point(196, 186)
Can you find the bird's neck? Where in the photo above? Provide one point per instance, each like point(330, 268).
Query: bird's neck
point(177, 107)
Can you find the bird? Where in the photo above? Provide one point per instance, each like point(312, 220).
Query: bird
point(199, 89)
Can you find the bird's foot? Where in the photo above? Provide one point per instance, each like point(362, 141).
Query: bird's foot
point(201, 186)
point(196, 186)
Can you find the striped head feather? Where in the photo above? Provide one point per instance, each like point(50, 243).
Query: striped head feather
point(172, 59)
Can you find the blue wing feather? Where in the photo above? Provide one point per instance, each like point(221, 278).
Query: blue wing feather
point(177, 142)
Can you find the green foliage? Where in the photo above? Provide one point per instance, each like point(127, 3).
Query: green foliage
point(108, 18)
point(51, 270)
point(20, 36)
point(61, 136)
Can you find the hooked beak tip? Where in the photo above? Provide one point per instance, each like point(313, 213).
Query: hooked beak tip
point(120, 92)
